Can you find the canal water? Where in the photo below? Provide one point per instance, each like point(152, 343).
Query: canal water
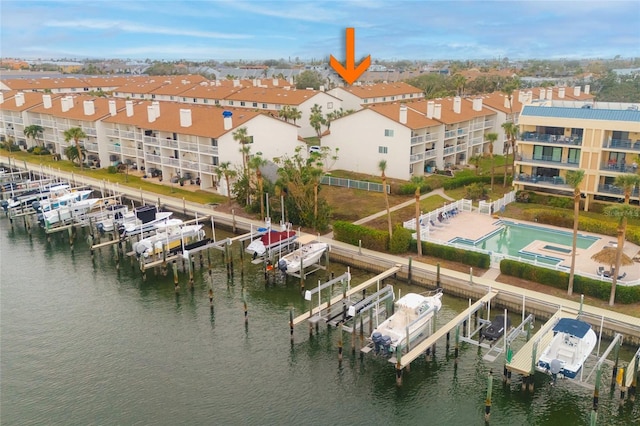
point(82, 343)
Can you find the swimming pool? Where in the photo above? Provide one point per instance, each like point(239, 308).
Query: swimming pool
point(511, 238)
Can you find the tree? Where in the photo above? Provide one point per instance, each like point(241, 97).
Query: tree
point(225, 170)
point(418, 181)
point(309, 79)
point(574, 179)
point(317, 120)
point(243, 139)
point(622, 212)
point(75, 134)
point(511, 131)
point(476, 160)
point(382, 166)
point(255, 163)
point(33, 131)
point(491, 138)
point(72, 153)
point(459, 81)
point(295, 114)
point(285, 113)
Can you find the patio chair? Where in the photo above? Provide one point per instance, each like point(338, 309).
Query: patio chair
point(620, 277)
point(600, 270)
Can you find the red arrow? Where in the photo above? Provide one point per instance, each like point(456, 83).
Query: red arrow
point(350, 73)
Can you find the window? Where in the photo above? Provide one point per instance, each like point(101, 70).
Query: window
point(171, 98)
point(393, 98)
point(217, 102)
point(214, 142)
point(153, 96)
point(184, 99)
point(366, 101)
point(242, 103)
point(382, 150)
point(404, 96)
point(278, 107)
point(574, 156)
point(255, 105)
point(215, 161)
point(264, 106)
point(141, 95)
point(547, 153)
point(206, 101)
point(230, 102)
point(388, 132)
point(329, 105)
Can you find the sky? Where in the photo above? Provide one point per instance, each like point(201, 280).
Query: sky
point(257, 30)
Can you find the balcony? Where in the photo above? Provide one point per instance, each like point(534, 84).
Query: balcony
point(36, 121)
point(623, 144)
point(450, 134)
point(619, 168)
point(449, 150)
point(113, 132)
point(612, 189)
point(556, 181)
point(191, 165)
point(46, 123)
point(150, 140)
point(91, 147)
point(171, 162)
point(168, 143)
point(430, 153)
point(151, 158)
point(208, 149)
point(545, 160)
point(16, 120)
point(89, 131)
point(132, 152)
point(542, 137)
point(416, 157)
point(188, 146)
point(114, 148)
point(417, 139)
point(461, 147)
point(478, 140)
point(127, 135)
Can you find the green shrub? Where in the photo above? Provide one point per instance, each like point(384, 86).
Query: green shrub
point(112, 170)
point(558, 279)
point(467, 257)
point(400, 241)
point(353, 234)
point(410, 189)
point(464, 180)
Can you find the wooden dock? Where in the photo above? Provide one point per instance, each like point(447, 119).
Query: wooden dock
point(421, 347)
point(524, 361)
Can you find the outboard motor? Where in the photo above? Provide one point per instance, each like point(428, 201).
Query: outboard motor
point(100, 228)
point(376, 337)
point(282, 265)
point(386, 344)
point(5, 205)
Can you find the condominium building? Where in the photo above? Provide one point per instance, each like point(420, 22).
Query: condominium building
point(14, 116)
point(601, 138)
point(358, 96)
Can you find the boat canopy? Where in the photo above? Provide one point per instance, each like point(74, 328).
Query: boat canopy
point(572, 326)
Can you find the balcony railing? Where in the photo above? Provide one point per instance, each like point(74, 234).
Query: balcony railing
point(132, 152)
point(168, 143)
point(544, 180)
point(620, 168)
point(92, 147)
point(46, 123)
point(461, 147)
point(17, 120)
point(623, 144)
point(113, 132)
point(188, 146)
point(89, 131)
point(431, 153)
point(171, 162)
point(150, 140)
point(416, 157)
point(542, 137)
point(612, 189)
point(450, 134)
point(449, 150)
point(151, 158)
point(127, 135)
point(208, 149)
point(545, 159)
point(191, 165)
point(36, 121)
point(114, 148)
point(478, 140)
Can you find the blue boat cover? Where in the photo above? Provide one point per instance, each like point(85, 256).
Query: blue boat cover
point(572, 326)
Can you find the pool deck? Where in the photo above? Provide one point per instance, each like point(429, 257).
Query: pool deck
point(473, 226)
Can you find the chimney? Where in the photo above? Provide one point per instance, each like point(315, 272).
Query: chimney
point(437, 109)
point(129, 108)
point(156, 108)
point(185, 118)
point(507, 104)
point(521, 95)
point(1, 98)
point(89, 108)
point(561, 93)
point(236, 83)
point(430, 105)
point(541, 93)
point(151, 113)
point(457, 104)
point(321, 88)
point(275, 82)
point(549, 93)
point(64, 104)
point(46, 101)
point(576, 91)
point(19, 99)
point(587, 89)
point(255, 82)
point(112, 107)
point(403, 114)
point(529, 98)
point(477, 104)
point(228, 122)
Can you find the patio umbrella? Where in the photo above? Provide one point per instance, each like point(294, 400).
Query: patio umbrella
point(607, 256)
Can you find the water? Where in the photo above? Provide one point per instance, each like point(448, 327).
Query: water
point(84, 344)
point(513, 238)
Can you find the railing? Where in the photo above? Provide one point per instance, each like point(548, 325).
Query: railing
point(93, 147)
point(553, 180)
point(431, 153)
point(350, 183)
point(113, 132)
point(431, 137)
point(621, 168)
point(485, 207)
point(113, 148)
point(207, 168)
point(435, 216)
point(461, 147)
point(449, 150)
point(36, 121)
point(171, 162)
point(189, 146)
point(546, 159)
point(612, 189)
point(168, 143)
point(17, 120)
point(46, 123)
point(132, 152)
point(478, 140)
point(151, 140)
point(623, 143)
point(463, 131)
point(417, 139)
point(89, 131)
point(542, 137)
point(191, 165)
point(488, 123)
point(450, 134)
point(416, 157)
point(208, 149)
point(127, 135)
point(151, 158)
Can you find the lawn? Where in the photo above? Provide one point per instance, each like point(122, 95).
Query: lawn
point(407, 213)
point(353, 204)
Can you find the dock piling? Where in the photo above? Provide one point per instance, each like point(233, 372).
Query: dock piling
point(487, 403)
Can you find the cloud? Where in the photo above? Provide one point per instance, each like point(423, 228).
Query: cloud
point(130, 27)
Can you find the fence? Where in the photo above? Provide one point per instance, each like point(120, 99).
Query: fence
point(436, 216)
point(357, 184)
point(485, 207)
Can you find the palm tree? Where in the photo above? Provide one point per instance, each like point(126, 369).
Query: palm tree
point(627, 182)
point(459, 81)
point(623, 212)
point(33, 131)
point(382, 166)
point(255, 163)
point(75, 133)
point(285, 113)
point(417, 181)
point(317, 120)
point(243, 138)
point(491, 138)
point(72, 153)
point(511, 132)
point(574, 179)
point(225, 170)
point(476, 160)
point(295, 114)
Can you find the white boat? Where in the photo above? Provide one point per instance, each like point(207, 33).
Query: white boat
point(112, 217)
point(306, 255)
point(62, 196)
point(413, 313)
point(68, 211)
point(572, 343)
point(170, 235)
point(270, 240)
point(38, 193)
point(141, 220)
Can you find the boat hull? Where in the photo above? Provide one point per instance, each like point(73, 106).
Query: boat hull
point(567, 353)
point(306, 255)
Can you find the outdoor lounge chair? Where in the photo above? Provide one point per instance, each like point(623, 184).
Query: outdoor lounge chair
point(620, 277)
point(600, 270)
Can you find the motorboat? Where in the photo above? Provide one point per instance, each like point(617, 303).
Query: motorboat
point(496, 329)
point(306, 255)
point(413, 313)
point(112, 217)
point(61, 196)
point(71, 209)
point(40, 193)
point(170, 234)
point(573, 341)
point(270, 240)
point(141, 220)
